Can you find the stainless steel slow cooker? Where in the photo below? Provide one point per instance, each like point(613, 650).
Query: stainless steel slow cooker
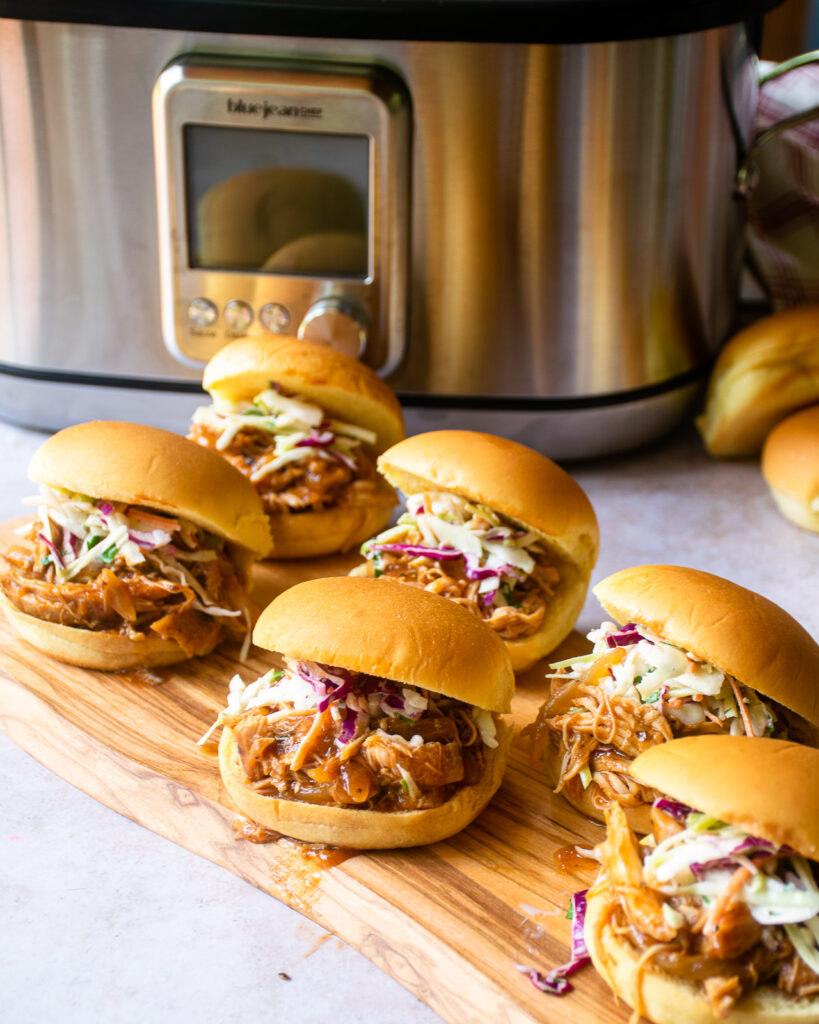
point(521, 213)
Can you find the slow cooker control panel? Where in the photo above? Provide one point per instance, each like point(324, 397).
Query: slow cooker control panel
point(283, 207)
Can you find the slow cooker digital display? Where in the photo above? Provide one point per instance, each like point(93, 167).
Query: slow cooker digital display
point(279, 202)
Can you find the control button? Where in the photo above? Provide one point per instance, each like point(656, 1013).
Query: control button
point(202, 313)
point(336, 322)
point(275, 317)
point(238, 315)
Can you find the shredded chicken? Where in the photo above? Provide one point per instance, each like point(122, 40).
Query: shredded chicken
point(598, 734)
point(530, 597)
point(391, 765)
point(311, 484)
point(132, 600)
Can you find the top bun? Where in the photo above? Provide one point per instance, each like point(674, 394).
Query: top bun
point(147, 466)
point(763, 786)
point(516, 481)
point(764, 373)
point(790, 465)
point(388, 629)
point(735, 629)
point(342, 386)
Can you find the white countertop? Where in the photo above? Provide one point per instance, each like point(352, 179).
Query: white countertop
point(105, 921)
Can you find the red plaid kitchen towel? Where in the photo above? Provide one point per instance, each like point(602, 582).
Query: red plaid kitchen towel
point(783, 208)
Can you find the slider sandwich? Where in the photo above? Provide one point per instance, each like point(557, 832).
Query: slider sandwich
point(140, 553)
point(715, 915)
point(695, 654)
point(493, 526)
point(382, 729)
point(304, 423)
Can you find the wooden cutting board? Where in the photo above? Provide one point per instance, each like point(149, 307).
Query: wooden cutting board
point(448, 921)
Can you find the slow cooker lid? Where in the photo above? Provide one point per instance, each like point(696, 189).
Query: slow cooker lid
point(499, 21)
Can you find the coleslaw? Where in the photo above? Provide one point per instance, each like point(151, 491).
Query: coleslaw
point(298, 430)
point(683, 686)
point(497, 554)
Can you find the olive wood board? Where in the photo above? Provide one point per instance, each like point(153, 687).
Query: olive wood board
point(448, 921)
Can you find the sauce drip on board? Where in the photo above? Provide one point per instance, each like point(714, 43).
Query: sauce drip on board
point(569, 858)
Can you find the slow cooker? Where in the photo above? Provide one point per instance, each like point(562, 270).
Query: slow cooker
point(521, 213)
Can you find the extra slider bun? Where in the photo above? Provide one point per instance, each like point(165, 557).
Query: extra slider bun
point(526, 488)
point(158, 470)
point(399, 633)
point(790, 465)
point(761, 786)
point(765, 372)
point(347, 390)
point(740, 632)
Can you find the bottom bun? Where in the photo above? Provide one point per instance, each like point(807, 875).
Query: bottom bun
point(87, 648)
point(330, 531)
point(591, 801)
point(361, 829)
point(665, 999)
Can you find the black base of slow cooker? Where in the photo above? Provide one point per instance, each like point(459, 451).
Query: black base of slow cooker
point(577, 427)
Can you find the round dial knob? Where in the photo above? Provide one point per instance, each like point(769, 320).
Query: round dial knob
point(336, 322)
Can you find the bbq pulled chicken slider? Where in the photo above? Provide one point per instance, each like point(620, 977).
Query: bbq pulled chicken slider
point(140, 552)
point(381, 730)
point(715, 915)
point(696, 654)
point(304, 423)
point(495, 527)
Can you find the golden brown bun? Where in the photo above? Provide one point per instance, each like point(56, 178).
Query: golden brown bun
point(669, 1000)
point(764, 373)
point(98, 649)
point(790, 465)
point(342, 386)
point(591, 801)
point(391, 630)
point(147, 466)
point(527, 488)
point(765, 787)
point(362, 829)
point(331, 530)
point(735, 629)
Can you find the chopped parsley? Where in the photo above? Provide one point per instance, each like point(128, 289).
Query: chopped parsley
point(506, 590)
point(377, 564)
point(109, 554)
point(652, 698)
point(405, 785)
